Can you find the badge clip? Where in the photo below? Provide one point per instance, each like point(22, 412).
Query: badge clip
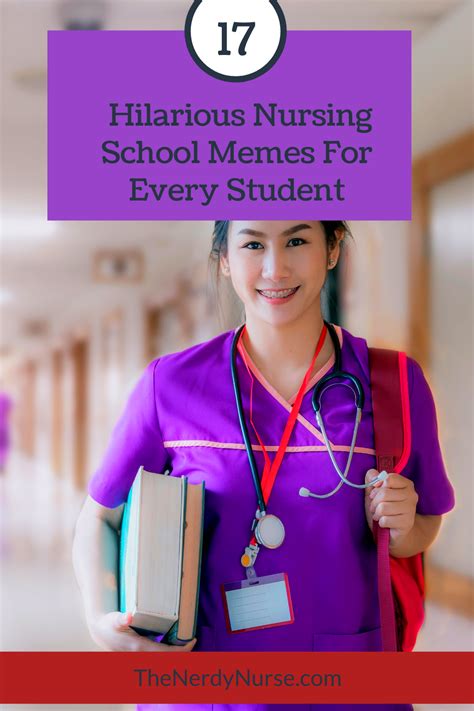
point(251, 574)
point(249, 556)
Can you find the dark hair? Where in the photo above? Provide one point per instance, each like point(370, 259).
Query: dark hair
point(221, 233)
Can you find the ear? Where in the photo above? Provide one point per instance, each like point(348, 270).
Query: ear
point(224, 265)
point(335, 251)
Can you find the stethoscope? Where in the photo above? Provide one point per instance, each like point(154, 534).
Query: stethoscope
point(359, 398)
point(268, 528)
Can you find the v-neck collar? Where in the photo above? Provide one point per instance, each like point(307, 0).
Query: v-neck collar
point(265, 384)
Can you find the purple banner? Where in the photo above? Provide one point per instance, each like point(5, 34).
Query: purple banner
point(137, 131)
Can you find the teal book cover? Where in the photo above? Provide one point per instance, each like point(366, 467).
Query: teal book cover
point(122, 552)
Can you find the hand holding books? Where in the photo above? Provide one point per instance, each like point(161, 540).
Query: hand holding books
point(113, 633)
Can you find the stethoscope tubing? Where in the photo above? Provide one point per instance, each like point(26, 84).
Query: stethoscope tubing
point(337, 373)
point(359, 403)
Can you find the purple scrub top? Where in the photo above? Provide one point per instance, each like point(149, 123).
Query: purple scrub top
point(182, 416)
point(5, 408)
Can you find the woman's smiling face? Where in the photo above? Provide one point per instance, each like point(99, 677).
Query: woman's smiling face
point(278, 268)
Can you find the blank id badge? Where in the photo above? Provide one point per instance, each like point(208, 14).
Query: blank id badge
point(257, 603)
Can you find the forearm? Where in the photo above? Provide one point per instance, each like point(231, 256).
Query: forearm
point(95, 560)
point(418, 539)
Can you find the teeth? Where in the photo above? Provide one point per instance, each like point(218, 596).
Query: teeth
point(277, 294)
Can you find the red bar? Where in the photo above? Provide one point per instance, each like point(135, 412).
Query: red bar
point(109, 677)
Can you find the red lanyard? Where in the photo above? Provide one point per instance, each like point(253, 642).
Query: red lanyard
point(271, 469)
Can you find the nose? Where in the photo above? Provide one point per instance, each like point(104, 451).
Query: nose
point(275, 267)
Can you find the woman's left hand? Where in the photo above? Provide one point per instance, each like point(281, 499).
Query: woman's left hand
point(392, 503)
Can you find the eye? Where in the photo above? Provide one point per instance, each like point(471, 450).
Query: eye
point(296, 242)
point(253, 245)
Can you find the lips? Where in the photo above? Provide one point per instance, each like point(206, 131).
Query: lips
point(277, 293)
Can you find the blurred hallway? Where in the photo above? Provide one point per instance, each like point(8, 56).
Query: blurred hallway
point(36, 546)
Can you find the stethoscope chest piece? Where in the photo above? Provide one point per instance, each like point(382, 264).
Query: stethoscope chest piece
point(270, 531)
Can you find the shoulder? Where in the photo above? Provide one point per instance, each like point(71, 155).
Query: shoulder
point(190, 386)
point(351, 344)
point(199, 358)
point(416, 376)
point(355, 354)
point(421, 396)
point(357, 348)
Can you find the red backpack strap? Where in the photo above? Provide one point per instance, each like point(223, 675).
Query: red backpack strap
point(387, 407)
point(392, 434)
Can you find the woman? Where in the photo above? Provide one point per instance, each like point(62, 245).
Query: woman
point(182, 415)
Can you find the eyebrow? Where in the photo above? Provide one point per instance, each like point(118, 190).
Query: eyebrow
point(252, 233)
point(286, 233)
point(296, 228)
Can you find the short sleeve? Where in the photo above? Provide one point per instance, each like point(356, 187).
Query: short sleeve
point(135, 441)
point(425, 465)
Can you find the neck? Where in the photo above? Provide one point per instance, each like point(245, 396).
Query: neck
point(291, 345)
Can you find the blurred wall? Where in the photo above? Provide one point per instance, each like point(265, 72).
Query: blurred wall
point(376, 283)
point(443, 80)
point(377, 300)
point(452, 319)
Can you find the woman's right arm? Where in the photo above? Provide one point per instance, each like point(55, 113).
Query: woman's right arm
point(95, 559)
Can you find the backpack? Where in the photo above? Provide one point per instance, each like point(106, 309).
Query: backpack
point(401, 588)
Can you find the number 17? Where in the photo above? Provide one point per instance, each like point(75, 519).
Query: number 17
point(223, 25)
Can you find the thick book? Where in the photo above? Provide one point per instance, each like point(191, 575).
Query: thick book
point(160, 555)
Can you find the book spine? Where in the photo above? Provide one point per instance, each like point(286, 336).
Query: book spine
point(200, 561)
point(172, 635)
point(184, 481)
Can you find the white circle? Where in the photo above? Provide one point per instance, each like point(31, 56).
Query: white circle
point(215, 25)
point(270, 531)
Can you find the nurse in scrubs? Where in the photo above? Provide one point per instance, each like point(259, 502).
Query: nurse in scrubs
point(182, 416)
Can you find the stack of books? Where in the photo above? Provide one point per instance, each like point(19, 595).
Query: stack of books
point(160, 555)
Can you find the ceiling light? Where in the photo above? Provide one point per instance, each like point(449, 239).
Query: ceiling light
point(82, 14)
point(6, 297)
point(26, 227)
